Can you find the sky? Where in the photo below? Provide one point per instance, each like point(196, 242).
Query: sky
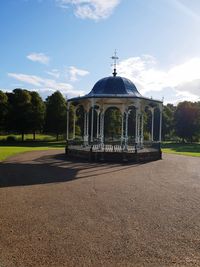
point(67, 45)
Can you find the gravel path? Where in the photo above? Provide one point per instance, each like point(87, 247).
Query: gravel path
point(56, 213)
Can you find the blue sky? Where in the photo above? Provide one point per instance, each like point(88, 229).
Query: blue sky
point(47, 45)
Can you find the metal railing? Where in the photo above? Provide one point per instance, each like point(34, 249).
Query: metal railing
point(113, 146)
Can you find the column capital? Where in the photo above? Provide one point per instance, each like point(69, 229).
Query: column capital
point(102, 110)
point(68, 104)
point(126, 110)
point(98, 111)
point(160, 107)
point(151, 109)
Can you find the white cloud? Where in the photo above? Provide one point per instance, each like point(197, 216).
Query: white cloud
point(39, 57)
point(183, 79)
point(91, 9)
point(54, 73)
point(30, 79)
point(75, 72)
point(46, 85)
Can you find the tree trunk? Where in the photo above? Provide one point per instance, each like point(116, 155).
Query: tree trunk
point(34, 135)
point(22, 136)
point(57, 136)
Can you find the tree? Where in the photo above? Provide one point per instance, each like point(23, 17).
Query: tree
point(3, 109)
point(112, 123)
point(187, 120)
point(56, 113)
point(168, 121)
point(19, 111)
point(37, 114)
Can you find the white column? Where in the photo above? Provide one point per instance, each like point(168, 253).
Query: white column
point(84, 134)
point(92, 124)
point(87, 125)
point(67, 121)
point(126, 131)
point(160, 130)
point(152, 124)
point(139, 127)
point(142, 128)
point(85, 128)
point(122, 127)
point(136, 125)
point(102, 127)
point(74, 124)
point(98, 112)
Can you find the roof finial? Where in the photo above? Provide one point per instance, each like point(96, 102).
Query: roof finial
point(115, 58)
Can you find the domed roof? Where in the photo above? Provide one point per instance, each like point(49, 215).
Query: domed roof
point(114, 85)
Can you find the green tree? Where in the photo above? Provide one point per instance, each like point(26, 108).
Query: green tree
point(112, 123)
point(37, 114)
point(168, 121)
point(80, 121)
point(56, 113)
point(3, 109)
point(187, 120)
point(19, 111)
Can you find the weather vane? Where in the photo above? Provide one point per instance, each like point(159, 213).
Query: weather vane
point(115, 58)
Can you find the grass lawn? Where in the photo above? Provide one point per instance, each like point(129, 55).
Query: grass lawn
point(182, 149)
point(10, 149)
point(7, 150)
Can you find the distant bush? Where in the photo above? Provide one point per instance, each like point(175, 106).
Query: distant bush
point(11, 138)
point(146, 136)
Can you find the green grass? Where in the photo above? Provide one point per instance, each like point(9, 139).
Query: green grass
point(8, 150)
point(182, 149)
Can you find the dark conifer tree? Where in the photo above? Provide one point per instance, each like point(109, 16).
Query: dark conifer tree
point(56, 114)
point(37, 115)
point(3, 110)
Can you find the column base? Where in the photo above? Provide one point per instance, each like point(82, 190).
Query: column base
point(85, 140)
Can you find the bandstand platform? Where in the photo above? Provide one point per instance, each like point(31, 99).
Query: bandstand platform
point(115, 152)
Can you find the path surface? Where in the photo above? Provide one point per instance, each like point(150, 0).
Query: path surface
point(58, 213)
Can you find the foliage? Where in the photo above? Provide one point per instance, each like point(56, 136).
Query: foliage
point(112, 123)
point(19, 111)
point(187, 121)
point(11, 138)
point(3, 109)
point(28, 137)
point(168, 121)
point(24, 112)
point(37, 114)
point(80, 121)
point(56, 113)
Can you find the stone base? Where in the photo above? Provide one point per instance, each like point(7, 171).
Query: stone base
point(140, 156)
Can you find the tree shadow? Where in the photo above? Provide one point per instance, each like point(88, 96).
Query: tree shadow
point(53, 169)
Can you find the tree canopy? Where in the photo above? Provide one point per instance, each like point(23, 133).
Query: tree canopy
point(23, 111)
point(56, 113)
point(3, 109)
point(187, 121)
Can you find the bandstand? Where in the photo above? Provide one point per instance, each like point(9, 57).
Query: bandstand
point(119, 93)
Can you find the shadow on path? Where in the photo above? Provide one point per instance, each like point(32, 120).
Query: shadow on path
point(52, 169)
